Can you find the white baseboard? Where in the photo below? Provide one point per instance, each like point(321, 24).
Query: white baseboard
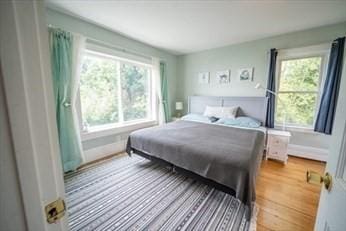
point(103, 151)
point(308, 152)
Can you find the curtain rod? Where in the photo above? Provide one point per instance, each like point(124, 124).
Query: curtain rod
point(319, 44)
point(112, 46)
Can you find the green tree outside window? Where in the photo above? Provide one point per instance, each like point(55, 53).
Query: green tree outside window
point(101, 94)
point(298, 90)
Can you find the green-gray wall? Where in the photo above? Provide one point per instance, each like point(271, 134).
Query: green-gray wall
point(249, 54)
point(93, 31)
point(182, 70)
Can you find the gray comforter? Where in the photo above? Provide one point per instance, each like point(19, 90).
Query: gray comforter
point(227, 155)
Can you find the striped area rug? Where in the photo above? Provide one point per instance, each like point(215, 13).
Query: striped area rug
point(132, 193)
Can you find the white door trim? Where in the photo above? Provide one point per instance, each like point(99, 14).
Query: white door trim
point(29, 96)
point(340, 173)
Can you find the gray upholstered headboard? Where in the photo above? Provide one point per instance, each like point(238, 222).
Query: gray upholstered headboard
point(255, 107)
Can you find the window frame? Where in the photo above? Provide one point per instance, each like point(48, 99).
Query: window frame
point(322, 51)
point(121, 126)
point(150, 106)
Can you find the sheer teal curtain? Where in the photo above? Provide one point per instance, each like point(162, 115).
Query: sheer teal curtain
point(164, 90)
point(64, 84)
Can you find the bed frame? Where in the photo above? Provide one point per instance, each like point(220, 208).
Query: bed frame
point(255, 107)
point(185, 172)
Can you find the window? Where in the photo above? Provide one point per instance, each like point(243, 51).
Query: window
point(99, 91)
point(114, 92)
point(134, 92)
point(299, 84)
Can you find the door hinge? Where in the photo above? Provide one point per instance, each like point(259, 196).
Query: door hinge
point(55, 210)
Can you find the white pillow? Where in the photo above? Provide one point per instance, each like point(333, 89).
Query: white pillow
point(221, 112)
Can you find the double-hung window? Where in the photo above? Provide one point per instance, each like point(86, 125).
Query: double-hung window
point(300, 75)
point(114, 92)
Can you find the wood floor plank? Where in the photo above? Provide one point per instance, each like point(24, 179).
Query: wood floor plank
point(273, 222)
point(300, 183)
point(260, 227)
point(285, 213)
point(286, 201)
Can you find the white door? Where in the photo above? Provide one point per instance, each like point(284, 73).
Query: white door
point(332, 208)
point(24, 55)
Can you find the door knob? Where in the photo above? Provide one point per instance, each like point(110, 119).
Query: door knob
point(315, 178)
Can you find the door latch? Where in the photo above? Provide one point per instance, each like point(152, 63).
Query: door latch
point(55, 210)
point(316, 178)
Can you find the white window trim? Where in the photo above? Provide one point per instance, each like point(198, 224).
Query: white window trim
point(321, 50)
point(105, 50)
point(122, 126)
point(114, 129)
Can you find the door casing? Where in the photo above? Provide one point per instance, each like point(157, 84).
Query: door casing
point(28, 88)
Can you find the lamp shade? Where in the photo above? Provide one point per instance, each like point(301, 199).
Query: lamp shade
point(179, 106)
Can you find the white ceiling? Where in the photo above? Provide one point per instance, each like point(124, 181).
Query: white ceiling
point(189, 26)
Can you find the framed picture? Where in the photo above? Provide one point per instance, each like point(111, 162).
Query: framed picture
point(203, 77)
point(223, 77)
point(245, 74)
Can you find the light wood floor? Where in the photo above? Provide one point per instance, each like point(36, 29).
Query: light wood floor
point(286, 201)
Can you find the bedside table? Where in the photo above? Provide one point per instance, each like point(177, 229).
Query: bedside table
point(277, 144)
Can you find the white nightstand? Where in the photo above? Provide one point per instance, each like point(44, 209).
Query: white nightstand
point(277, 144)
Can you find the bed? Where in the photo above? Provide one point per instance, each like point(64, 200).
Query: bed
point(229, 156)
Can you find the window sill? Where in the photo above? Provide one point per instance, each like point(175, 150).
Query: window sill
point(296, 129)
point(116, 129)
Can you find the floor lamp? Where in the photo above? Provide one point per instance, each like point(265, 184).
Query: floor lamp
point(259, 86)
